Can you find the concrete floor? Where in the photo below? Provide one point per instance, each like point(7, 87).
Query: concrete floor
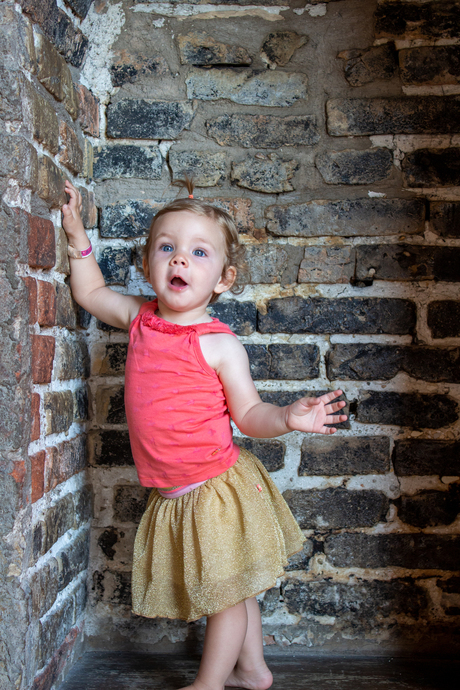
point(125, 671)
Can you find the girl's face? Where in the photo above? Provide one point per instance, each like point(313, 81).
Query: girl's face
point(185, 265)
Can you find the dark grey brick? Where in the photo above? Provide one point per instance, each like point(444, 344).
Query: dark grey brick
point(430, 65)
point(140, 119)
point(241, 317)
point(297, 362)
point(426, 457)
point(207, 168)
point(407, 115)
point(273, 263)
point(344, 455)
point(110, 448)
point(128, 67)
point(301, 560)
point(83, 501)
point(112, 587)
point(419, 551)
point(444, 318)
point(80, 7)
point(198, 48)
point(430, 508)
point(415, 410)
point(143, 162)
point(279, 47)
point(54, 628)
point(113, 361)
point(44, 587)
point(129, 502)
point(114, 264)
point(263, 131)
point(57, 520)
point(439, 19)
point(432, 168)
point(338, 508)
point(349, 218)
point(73, 559)
point(270, 453)
point(327, 264)
point(127, 218)
point(407, 262)
point(59, 411)
point(364, 66)
point(72, 358)
point(344, 315)
point(80, 406)
point(445, 218)
point(110, 405)
point(108, 539)
point(355, 167)
point(270, 175)
point(360, 600)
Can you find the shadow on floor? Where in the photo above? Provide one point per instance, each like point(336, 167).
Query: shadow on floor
point(142, 671)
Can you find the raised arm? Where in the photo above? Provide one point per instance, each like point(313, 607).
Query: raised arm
point(263, 420)
point(86, 280)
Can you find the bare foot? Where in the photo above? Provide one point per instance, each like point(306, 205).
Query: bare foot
point(256, 679)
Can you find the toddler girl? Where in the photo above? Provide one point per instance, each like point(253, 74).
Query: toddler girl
point(216, 531)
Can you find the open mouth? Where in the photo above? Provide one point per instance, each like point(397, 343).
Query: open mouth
point(178, 282)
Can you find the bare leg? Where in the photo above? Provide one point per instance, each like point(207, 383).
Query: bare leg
point(223, 640)
point(251, 671)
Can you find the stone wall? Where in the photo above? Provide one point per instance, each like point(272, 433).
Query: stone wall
point(331, 132)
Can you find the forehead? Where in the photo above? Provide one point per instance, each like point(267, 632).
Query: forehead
point(190, 225)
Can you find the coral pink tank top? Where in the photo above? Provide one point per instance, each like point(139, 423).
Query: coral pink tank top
point(178, 419)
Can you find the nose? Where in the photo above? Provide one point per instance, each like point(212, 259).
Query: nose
point(178, 259)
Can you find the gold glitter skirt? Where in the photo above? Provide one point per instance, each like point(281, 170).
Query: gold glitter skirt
point(203, 552)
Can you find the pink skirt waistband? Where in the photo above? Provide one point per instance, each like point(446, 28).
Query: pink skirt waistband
point(179, 491)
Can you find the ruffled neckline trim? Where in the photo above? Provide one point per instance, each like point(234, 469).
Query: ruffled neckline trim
point(151, 320)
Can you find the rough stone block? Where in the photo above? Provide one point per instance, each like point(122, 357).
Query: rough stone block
point(110, 448)
point(35, 415)
point(426, 457)
point(349, 218)
point(241, 317)
point(273, 263)
point(53, 670)
point(128, 219)
point(50, 66)
point(44, 587)
point(54, 628)
point(270, 453)
point(247, 87)
point(41, 118)
point(80, 404)
point(62, 258)
point(240, 211)
point(128, 67)
point(88, 108)
point(336, 508)
point(430, 508)
point(113, 587)
point(360, 601)
point(207, 168)
point(355, 167)
point(415, 410)
point(140, 119)
point(71, 154)
point(344, 315)
point(50, 183)
point(109, 359)
point(369, 361)
point(301, 560)
point(417, 551)
point(16, 41)
point(439, 19)
point(344, 455)
point(18, 160)
point(89, 208)
point(444, 318)
point(432, 168)
point(198, 48)
point(263, 131)
point(42, 243)
point(115, 264)
point(80, 7)
point(46, 303)
point(43, 347)
point(327, 264)
point(371, 64)
point(64, 461)
point(143, 162)
point(130, 502)
point(281, 362)
point(72, 359)
point(11, 101)
point(37, 468)
point(279, 47)
point(407, 262)
point(57, 520)
point(271, 175)
point(395, 115)
point(59, 411)
point(83, 505)
point(445, 218)
point(73, 559)
point(430, 65)
point(110, 405)
point(66, 316)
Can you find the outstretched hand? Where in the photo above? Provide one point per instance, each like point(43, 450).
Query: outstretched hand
point(311, 414)
point(71, 219)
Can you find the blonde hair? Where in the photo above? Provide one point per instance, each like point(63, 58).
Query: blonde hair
point(234, 251)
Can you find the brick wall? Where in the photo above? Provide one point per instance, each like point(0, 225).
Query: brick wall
point(331, 133)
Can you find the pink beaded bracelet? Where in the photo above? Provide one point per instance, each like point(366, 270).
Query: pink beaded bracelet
point(76, 254)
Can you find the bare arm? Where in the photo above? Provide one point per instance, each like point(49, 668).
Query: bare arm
point(86, 280)
point(256, 418)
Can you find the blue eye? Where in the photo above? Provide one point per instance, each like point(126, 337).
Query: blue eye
point(199, 252)
point(166, 248)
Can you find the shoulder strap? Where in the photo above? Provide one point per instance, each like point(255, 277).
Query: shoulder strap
point(148, 306)
point(214, 326)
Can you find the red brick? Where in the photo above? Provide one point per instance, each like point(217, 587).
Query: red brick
point(42, 243)
point(35, 413)
point(89, 111)
point(49, 676)
point(43, 347)
point(37, 463)
point(31, 285)
point(46, 303)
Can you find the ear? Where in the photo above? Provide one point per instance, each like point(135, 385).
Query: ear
point(226, 281)
point(145, 266)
